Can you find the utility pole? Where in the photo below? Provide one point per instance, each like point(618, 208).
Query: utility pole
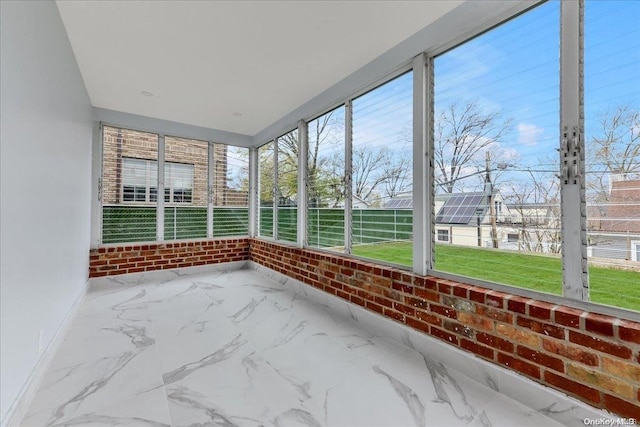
point(489, 190)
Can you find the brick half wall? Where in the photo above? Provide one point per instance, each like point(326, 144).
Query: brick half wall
point(114, 260)
point(592, 357)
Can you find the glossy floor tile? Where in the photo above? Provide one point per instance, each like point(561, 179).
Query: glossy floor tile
point(236, 348)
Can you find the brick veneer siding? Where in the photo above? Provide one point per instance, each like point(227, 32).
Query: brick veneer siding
point(592, 357)
point(114, 260)
point(125, 143)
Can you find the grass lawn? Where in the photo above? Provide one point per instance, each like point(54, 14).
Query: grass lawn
point(537, 272)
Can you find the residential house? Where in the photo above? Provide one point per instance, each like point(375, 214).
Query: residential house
point(619, 233)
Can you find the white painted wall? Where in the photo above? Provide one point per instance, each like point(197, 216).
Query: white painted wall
point(45, 159)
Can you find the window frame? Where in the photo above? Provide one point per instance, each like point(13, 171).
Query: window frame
point(98, 170)
point(635, 250)
point(149, 185)
point(425, 235)
point(169, 184)
point(424, 226)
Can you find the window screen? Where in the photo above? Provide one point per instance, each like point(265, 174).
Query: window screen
point(612, 138)
point(266, 176)
point(326, 181)
point(129, 185)
point(185, 188)
point(382, 165)
point(287, 188)
point(230, 190)
point(495, 138)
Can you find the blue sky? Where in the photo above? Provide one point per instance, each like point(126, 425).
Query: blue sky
point(514, 69)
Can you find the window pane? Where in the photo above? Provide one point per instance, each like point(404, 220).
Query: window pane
point(185, 192)
point(128, 193)
point(140, 194)
point(266, 174)
point(230, 191)
point(128, 174)
point(612, 137)
point(495, 140)
point(288, 186)
point(134, 172)
point(181, 176)
point(325, 183)
point(382, 164)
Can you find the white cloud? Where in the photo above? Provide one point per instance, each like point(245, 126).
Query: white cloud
point(509, 155)
point(529, 134)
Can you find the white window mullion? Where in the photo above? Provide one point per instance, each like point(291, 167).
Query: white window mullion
point(422, 165)
point(160, 191)
point(276, 189)
point(254, 193)
point(303, 166)
point(96, 186)
point(210, 187)
point(348, 177)
point(575, 276)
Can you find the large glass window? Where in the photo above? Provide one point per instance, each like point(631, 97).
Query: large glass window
point(230, 190)
point(206, 194)
point(185, 188)
point(266, 174)
point(612, 138)
point(496, 131)
point(178, 183)
point(129, 185)
point(287, 188)
point(326, 181)
point(382, 165)
point(139, 180)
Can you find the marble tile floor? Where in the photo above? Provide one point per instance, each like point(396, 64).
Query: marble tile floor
point(237, 348)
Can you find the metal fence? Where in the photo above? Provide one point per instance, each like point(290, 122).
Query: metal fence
point(122, 224)
point(325, 227)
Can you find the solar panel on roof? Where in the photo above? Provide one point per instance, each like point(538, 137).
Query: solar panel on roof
point(403, 203)
point(459, 209)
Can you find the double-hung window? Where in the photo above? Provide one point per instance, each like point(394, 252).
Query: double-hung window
point(139, 181)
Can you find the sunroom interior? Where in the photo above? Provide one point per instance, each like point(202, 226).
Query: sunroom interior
point(320, 213)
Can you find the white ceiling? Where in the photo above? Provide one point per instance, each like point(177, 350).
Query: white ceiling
point(206, 60)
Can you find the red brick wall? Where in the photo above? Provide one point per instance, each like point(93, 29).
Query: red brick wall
point(113, 260)
point(592, 357)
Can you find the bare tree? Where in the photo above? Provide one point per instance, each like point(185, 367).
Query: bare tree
point(462, 133)
point(614, 149)
point(397, 174)
point(367, 170)
point(537, 205)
